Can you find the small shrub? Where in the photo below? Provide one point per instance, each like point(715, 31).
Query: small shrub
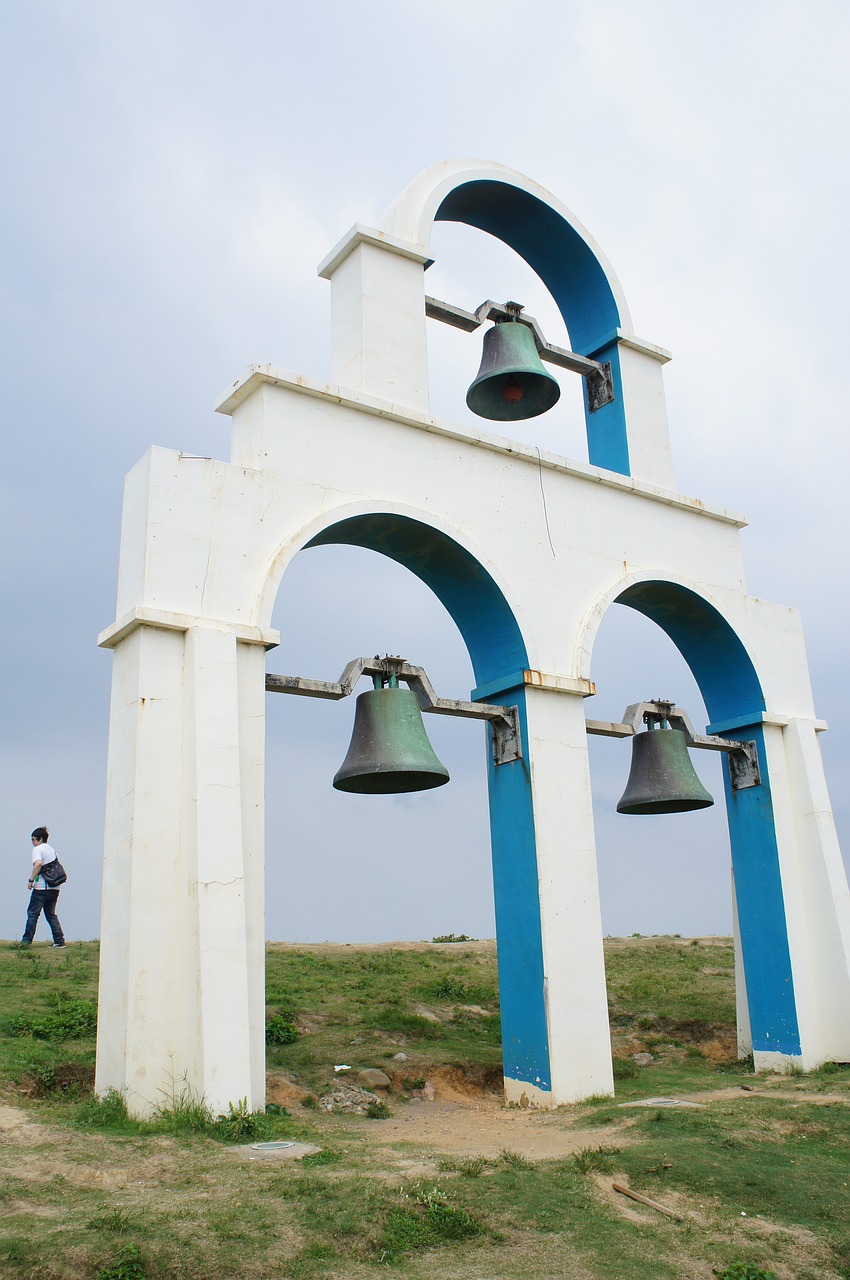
point(453, 937)
point(240, 1124)
point(595, 1159)
point(108, 1111)
point(413, 1082)
point(127, 1266)
point(378, 1110)
point(625, 1069)
point(275, 1109)
point(448, 988)
point(280, 1029)
point(310, 1101)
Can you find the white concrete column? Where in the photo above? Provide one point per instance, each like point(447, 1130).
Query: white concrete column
point(147, 961)
point(213, 846)
point(650, 455)
point(570, 917)
point(378, 319)
point(742, 1008)
point(251, 674)
point(182, 999)
point(814, 886)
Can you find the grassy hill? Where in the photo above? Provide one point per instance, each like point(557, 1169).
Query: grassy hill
point(444, 1181)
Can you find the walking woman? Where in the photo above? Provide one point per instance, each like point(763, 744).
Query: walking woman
point(42, 898)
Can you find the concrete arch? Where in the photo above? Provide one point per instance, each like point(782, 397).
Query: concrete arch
point(461, 576)
point(719, 659)
point(534, 223)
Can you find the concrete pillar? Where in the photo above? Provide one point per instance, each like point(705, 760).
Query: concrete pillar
point(182, 1007)
point(555, 1038)
point(378, 318)
point(571, 922)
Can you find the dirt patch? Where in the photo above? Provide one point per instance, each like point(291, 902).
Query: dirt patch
point(65, 1077)
point(458, 1084)
point(282, 1091)
point(483, 1128)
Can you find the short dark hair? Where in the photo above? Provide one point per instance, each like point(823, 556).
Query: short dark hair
point(41, 834)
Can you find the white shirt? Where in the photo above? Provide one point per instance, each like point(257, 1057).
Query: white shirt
point(42, 853)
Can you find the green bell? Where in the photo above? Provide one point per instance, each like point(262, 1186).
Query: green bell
point(662, 778)
point(512, 383)
point(389, 750)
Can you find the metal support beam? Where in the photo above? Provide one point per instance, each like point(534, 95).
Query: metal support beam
point(599, 379)
point(503, 721)
point(742, 755)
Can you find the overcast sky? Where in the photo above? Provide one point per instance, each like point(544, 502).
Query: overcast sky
point(175, 172)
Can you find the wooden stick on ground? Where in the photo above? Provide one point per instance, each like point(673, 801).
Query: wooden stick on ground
point(653, 1204)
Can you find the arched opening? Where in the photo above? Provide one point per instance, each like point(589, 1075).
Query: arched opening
point(670, 873)
point(731, 691)
point(497, 652)
point(415, 865)
point(468, 268)
point(559, 252)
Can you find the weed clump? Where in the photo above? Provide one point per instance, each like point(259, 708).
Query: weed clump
point(280, 1029)
point(625, 1068)
point(127, 1266)
point(106, 1111)
point(472, 1167)
point(514, 1159)
point(595, 1159)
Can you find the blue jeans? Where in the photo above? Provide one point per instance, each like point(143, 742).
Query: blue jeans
point(43, 900)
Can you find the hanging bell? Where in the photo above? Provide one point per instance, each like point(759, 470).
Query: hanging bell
point(512, 383)
point(662, 778)
point(389, 750)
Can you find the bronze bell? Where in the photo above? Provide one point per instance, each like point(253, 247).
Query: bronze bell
point(389, 750)
point(662, 778)
point(511, 383)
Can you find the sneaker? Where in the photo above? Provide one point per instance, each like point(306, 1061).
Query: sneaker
point(57, 944)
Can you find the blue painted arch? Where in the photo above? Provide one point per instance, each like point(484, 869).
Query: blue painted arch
point(472, 597)
point(576, 279)
point(497, 650)
point(732, 692)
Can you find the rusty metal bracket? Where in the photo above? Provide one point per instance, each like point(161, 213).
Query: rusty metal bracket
point(503, 721)
point(742, 755)
point(598, 377)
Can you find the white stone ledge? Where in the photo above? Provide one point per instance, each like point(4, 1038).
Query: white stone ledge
point(166, 620)
point(258, 374)
point(359, 234)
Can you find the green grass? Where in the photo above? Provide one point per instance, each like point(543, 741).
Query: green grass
point(758, 1176)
